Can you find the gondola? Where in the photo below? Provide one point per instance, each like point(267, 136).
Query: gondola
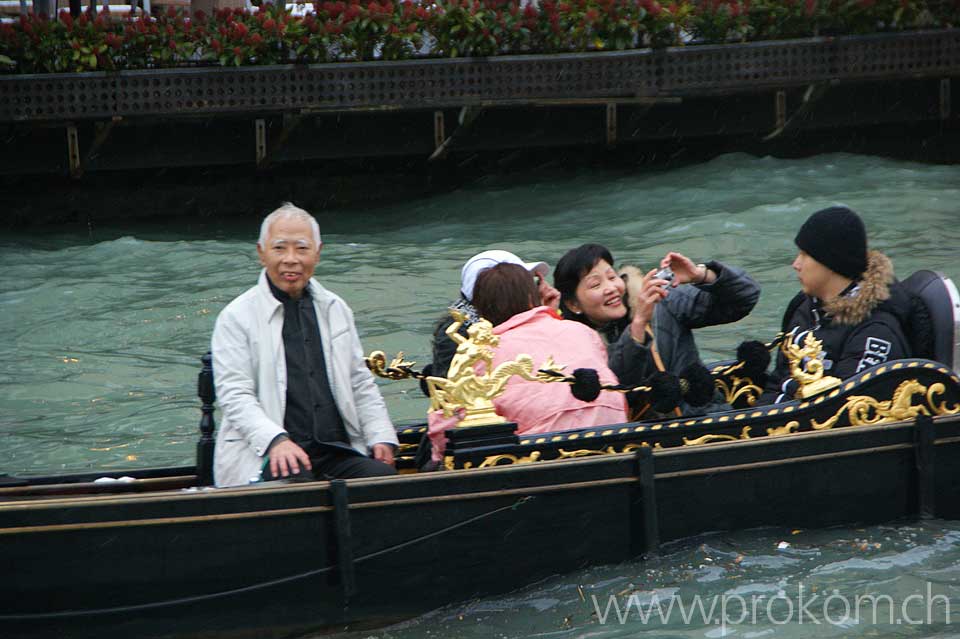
point(167, 555)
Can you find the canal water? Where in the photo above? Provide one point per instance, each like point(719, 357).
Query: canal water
point(102, 329)
point(883, 581)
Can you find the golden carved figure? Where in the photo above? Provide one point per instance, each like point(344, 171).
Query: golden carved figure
point(806, 366)
point(470, 383)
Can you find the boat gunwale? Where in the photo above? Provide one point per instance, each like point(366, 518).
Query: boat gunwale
point(324, 486)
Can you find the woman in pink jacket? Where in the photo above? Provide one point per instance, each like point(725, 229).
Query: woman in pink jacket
point(506, 295)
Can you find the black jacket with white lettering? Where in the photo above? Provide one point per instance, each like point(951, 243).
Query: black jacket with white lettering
point(861, 328)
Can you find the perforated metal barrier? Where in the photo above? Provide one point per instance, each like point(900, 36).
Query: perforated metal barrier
point(416, 84)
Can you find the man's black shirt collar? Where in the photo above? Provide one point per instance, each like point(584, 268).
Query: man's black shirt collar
point(283, 296)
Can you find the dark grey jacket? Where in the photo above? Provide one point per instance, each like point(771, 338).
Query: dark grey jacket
point(729, 298)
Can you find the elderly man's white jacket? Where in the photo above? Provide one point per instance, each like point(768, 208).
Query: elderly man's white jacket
point(250, 373)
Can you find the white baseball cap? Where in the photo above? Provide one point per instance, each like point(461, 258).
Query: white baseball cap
point(488, 259)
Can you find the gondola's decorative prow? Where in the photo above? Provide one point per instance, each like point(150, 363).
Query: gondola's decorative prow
point(469, 384)
point(207, 394)
point(806, 366)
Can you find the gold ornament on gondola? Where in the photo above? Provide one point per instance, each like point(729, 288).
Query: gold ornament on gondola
point(469, 384)
point(806, 366)
point(863, 410)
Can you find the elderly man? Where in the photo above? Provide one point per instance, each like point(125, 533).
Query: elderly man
point(290, 375)
point(443, 347)
point(850, 301)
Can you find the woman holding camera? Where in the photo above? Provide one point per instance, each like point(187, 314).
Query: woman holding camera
point(666, 305)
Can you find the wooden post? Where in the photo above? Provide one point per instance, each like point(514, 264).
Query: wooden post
point(344, 539)
point(780, 109)
point(945, 106)
point(926, 467)
point(207, 394)
point(439, 130)
point(260, 140)
point(649, 519)
point(73, 151)
point(611, 124)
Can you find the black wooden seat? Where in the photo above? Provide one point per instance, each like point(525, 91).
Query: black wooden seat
point(940, 296)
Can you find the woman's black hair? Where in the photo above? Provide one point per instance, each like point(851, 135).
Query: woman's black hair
point(572, 268)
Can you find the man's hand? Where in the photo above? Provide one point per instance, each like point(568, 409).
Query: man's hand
point(287, 457)
point(384, 453)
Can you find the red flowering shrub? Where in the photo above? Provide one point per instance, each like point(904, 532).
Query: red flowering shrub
point(721, 21)
point(464, 28)
point(399, 29)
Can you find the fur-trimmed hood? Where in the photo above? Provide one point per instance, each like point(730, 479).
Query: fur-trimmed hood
point(873, 290)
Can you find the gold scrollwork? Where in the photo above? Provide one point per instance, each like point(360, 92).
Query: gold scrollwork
point(739, 387)
point(586, 452)
point(786, 429)
point(863, 410)
point(706, 439)
point(629, 448)
point(609, 450)
point(940, 409)
point(495, 460)
point(498, 460)
point(397, 369)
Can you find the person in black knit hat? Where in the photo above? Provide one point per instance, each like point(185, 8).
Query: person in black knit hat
point(850, 301)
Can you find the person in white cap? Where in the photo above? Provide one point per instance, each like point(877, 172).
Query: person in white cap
point(443, 347)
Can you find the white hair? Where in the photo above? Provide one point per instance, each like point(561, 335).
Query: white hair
point(288, 211)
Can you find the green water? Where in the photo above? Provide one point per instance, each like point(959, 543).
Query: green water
point(102, 330)
point(734, 585)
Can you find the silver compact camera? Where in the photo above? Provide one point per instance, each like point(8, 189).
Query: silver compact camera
point(664, 274)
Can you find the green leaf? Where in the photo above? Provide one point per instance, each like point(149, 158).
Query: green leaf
point(92, 61)
point(5, 61)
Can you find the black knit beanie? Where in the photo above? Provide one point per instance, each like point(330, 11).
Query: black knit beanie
point(836, 238)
